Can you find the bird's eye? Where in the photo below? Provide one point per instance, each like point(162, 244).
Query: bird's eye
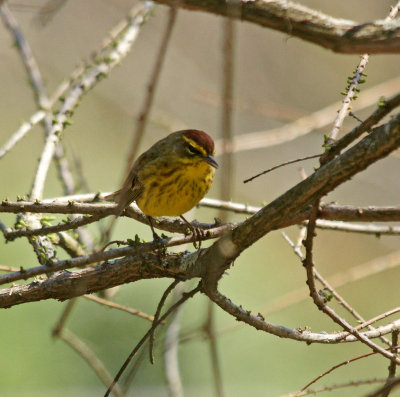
point(193, 150)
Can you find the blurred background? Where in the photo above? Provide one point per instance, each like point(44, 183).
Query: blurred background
point(277, 80)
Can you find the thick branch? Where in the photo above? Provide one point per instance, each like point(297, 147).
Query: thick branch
point(70, 284)
point(66, 285)
point(296, 20)
point(377, 145)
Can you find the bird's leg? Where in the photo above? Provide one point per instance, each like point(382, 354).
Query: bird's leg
point(197, 232)
point(156, 237)
point(161, 249)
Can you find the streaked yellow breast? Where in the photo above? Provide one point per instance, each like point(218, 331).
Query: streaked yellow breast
point(174, 193)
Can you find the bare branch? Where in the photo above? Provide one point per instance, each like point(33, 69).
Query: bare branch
point(258, 322)
point(96, 257)
point(350, 94)
point(157, 316)
point(90, 357)
point(22, 131)
point(325, 179)
point(335, 387)
point(171, 344)
point(178, 303)
point(296, 20)
point(387, 388)
point(303, 389)
point(117, 306)
point(393, 364)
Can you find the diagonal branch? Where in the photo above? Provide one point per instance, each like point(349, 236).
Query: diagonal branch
point(380, 143)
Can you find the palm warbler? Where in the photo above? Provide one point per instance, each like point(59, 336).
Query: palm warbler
point(171, 177)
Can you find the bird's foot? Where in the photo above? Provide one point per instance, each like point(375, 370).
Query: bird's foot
point(198, 234)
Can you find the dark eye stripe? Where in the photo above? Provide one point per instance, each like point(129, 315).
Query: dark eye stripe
point(193, 150)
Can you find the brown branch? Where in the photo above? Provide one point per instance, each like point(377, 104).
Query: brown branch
point(296, 20)
point(63, 318)
point(117, 306)
point(281, 165)
point(378, 144)
point(384, 108)
point(335, 387)
point(67, 285)
point(183, 299)
point(171, 346)
point(258, 322)
point(327, 285)
point(393, 365)
point(74, 224)
point(101, 210)
point(343, 363)
point(96, 257)
point(90, 357)
point(157, 316)
point(387, 388)
point(319, 301)
point(331, 216)
point(8, 269)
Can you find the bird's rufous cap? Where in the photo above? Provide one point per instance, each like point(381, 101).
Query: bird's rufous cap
point(201, 138)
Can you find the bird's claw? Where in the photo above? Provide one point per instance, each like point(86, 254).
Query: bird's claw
point(198, 235)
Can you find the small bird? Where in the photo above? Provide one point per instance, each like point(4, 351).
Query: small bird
point(171, 177)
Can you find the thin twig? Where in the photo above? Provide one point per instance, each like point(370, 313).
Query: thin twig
point(335, 387)
point(117, 306)
point(171, 344)
point(44, 230)
point(58, 328)
point(157, 316)
point(351, 92)
point(184, 298)
point(282, 165)
point(209, 328)
point(328, 286)
point(393, 365)
point(377, 318)
point(387, 388)
point(90, 357)
point(8, 269)
point(22, 131)
point(309, 266)
point(343, 363)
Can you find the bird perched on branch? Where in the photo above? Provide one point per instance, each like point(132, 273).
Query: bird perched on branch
point(171, 177)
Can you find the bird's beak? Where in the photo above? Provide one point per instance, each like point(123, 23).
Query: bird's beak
point(210, 160)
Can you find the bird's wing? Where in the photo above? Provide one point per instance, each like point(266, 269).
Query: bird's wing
point(126, 196)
